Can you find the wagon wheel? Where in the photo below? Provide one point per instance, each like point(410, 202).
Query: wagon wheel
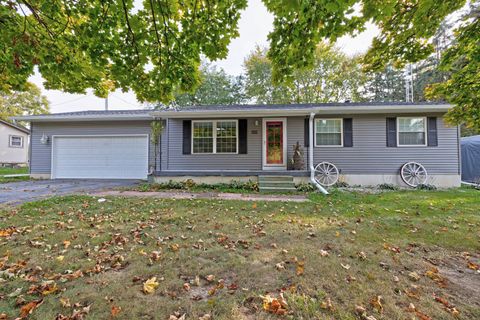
point(413, 174)
point(326, 174)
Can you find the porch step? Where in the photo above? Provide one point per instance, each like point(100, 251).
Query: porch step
point(276, 183)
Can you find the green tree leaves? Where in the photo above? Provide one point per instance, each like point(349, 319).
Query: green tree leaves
point(216, 88)
point(153, 49)
point(333, 77)
point(17, 103)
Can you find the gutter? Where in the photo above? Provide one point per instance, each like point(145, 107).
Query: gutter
point(400, 109)
point(310, 155)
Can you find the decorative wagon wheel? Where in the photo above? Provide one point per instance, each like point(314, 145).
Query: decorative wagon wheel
point(326, 173)
point(413, 174)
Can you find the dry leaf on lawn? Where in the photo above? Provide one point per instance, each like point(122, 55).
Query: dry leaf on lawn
point(150, 285)
point(274, 305)
point(115, 310)
point(29, 308)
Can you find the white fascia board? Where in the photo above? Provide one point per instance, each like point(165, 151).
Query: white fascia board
point(304, 111)
point(66, 118)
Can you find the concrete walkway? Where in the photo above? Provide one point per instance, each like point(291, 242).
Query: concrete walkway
point(203, 195)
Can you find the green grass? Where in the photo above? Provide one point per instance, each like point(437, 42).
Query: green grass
point(373, 241)
point(7, 171)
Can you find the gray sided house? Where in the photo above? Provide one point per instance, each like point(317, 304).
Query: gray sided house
point(368, 143)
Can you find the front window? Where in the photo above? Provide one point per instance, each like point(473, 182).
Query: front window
point(16, 141)
point(328, 132)
point(215, 136)
point(412, 131)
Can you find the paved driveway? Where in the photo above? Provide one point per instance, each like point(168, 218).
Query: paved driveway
point(25, 191)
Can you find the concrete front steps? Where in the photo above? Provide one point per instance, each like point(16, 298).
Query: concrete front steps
point(276, 183)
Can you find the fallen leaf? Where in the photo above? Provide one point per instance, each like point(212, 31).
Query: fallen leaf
point(210, 277)
point(7, 232)
point(29, 308)
point(65, 302)
point(49, 289)
point(60, 258)
point(115, 310)
point(150, 285)
point(206, 316)
point(324, 253)
point(376, 303)
point(327, 304)
point(66, 244)
point(345, 266)
point(300, 268)
point(274, 305)
point(414, 276)
point(473, 266)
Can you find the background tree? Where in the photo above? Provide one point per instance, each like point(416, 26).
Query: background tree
point(462, 61)
point(334, 77)
point(216, 87)
point(17, 103)
point(387, 85)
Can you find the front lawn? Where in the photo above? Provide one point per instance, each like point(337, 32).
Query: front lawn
point(393, 255)
point(7, 171)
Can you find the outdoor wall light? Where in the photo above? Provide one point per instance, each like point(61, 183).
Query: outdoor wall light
point(256, 123)
point(44, 139)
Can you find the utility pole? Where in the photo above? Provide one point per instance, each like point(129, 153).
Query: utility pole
point(408, 83)
point(106, 103)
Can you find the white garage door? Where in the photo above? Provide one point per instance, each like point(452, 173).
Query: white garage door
point(100, 157)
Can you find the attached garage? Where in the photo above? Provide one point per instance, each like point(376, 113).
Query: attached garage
point(100, 157)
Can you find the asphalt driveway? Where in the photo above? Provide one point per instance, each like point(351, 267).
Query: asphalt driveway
point(19, 192)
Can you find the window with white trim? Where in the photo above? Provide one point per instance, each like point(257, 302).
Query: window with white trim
point(16, 142)
point(412, 131)
point(215, 136)
point(328, 132)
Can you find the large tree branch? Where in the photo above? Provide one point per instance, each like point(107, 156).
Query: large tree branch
point(38, 18)
point(130, 31)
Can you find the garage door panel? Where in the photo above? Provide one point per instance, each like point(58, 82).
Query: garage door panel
point(115, 157)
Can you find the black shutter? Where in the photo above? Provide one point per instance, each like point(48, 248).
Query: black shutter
point(432, 138)
point(391, 132)
point(306, 133)
point(242, 136)
point(347, 132)
point(187, 136)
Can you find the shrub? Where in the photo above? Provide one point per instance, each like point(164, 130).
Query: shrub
point(426, 187)
point(387, 186)
point(190, 184)
point(341, 184)
point(305, 187)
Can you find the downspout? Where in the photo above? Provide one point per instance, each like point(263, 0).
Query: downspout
point(310, 155)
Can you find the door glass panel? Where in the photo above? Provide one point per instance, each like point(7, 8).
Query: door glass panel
point(274, 142)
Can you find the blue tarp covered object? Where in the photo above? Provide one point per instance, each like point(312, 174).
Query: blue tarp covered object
point(471, 159)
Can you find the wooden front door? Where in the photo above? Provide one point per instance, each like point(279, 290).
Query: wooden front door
point(274, 142)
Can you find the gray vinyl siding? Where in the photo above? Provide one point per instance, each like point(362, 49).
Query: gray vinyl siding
point(370, 155)
point(41, 154)
point(178, 161)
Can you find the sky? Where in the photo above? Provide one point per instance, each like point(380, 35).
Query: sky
point(255, 24)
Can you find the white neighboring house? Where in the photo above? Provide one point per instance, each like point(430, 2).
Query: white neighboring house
point(13, 143)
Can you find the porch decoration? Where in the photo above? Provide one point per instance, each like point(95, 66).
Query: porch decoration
point(414, 174)
point(297, 158)
point(326, 174)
